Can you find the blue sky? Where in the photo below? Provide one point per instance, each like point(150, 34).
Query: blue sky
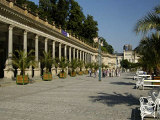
point(117, 18)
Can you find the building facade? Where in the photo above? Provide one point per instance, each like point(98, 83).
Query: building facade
point(22, 30)
point(128, 54)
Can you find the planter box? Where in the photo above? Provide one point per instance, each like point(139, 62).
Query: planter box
point(22, 79)
point(73, 74)
point(156, 78)
point(86, 72)
point(62, 75)
point(47, 76)
point(80, 73)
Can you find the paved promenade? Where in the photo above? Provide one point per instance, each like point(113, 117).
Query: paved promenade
point(79, 98)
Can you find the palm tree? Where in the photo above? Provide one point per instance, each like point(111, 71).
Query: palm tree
point(47, 61)
point(150, 53)
point(73, 65)
point(80, 65)
point(63, 63)
point(22, 60)
point(150, 22)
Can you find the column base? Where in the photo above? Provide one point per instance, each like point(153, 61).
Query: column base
point(53, 70)
point(37, 72)
point(58, 71)
point(9, 73)
point(29, 72)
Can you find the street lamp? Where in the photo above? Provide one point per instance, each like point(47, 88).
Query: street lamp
point(99, 57)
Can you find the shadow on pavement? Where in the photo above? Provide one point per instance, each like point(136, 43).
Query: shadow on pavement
point(135, 115)
point(122, 83)
point(115, 99)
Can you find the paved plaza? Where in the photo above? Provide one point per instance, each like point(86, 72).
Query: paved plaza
point(73, 98)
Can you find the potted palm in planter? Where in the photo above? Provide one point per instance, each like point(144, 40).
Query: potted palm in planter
point(96, 66)
point(47, 61)
point(80, 65)
point(63, 63)
point(73, 65)
point(86, 67)
point(22, 61)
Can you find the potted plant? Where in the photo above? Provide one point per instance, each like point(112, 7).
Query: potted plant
point(47, 61)
point(73, 65)
point(22, 60)
point(63, 63)
point(86, 67)
point(80, 65)
point(96, 66)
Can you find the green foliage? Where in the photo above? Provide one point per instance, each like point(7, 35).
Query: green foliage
point(90, 29)
point(125, 64)
point(150, 53)
point(47, 60)
point(106, 47)
point(73, 64)
point(91, 65)
point(76, 18)
point(63, 63)
point(62, 13)
point(150, 22)
point(22, 61)
point(80, 64)
point(96, 66)
point(86, 66)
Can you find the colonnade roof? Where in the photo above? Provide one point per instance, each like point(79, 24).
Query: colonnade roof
point(15, 13)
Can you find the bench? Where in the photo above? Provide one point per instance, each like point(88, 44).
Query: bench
point(149, 107)
point(151, 83)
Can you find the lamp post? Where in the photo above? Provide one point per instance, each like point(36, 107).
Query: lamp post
point(99, 57)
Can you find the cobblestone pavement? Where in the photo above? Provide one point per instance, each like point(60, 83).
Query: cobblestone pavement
point(78, 98)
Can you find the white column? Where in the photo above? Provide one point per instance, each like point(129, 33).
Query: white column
point(65, 51)
point(37, 70)
point(46, 45)
point(70, 54)
point(53, 56)
point(36, 47)
point(74, 52)
point(9, 71)
point(77, 55)
point(80, 55)
point(10, 41)
point(60, 51)
point(53, 49)
point(25, 41)
point(83, 55)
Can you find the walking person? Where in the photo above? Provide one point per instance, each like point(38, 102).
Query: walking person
point(90, 72)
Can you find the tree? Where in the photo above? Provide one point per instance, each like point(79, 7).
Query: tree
point(23, 60)
point(45, 9)
point(125, 64)
point(62, 13)
point(150, 52)
point(47, 61)
point(63, 63)
point(76, 18)
point(90, 29)
point(150, 22)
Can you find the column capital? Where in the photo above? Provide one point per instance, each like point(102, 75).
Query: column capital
point(25, 32)
point(36, 36)
point(46, 39)
point(11, 27)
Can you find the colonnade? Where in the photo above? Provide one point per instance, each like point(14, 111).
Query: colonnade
point(78, 53)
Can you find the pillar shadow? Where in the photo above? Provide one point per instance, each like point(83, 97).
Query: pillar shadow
point(115, 99)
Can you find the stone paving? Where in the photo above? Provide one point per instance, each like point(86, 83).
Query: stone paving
point(73, 98)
